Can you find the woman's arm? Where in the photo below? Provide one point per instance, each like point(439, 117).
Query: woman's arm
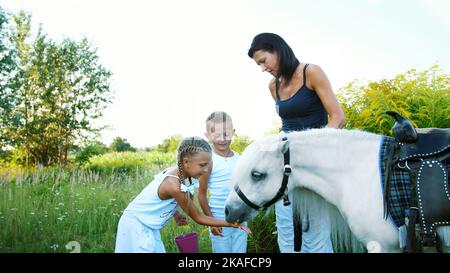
point(319, 82)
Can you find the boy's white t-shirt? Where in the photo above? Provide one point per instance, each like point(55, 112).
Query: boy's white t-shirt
point(219, 183)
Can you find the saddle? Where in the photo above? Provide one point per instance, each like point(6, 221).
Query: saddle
point(426, 156)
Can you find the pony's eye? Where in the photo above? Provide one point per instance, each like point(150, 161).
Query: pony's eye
point(257, 175)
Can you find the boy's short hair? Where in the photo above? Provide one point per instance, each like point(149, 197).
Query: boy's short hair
point(215, 118)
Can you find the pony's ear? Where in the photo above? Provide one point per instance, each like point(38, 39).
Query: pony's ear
point(276, 147)
point(284, 146)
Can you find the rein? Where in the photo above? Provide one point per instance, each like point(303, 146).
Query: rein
point(282, 192)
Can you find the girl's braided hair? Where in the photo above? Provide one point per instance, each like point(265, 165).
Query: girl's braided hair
point(188, 147)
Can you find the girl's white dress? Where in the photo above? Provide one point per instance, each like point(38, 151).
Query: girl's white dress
point(140, 224)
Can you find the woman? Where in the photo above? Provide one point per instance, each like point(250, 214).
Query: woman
point(304, 99)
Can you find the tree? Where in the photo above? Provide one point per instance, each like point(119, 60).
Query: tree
point(61, 89)
point(121, 145)
point(7, 68)
point(170, 145)
point(422, 97)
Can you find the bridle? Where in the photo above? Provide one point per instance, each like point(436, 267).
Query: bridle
point(282, 192)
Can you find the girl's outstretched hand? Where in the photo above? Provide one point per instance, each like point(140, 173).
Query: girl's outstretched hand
point(246, 229)
point(241, 226)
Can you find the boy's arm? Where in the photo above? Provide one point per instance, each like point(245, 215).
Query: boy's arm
point(203, 200)
point(203, 192)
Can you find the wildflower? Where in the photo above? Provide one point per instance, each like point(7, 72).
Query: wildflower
point(61, 204)
point(14, 209)
point(80, 211)
point(32, 213)
point(54, 247)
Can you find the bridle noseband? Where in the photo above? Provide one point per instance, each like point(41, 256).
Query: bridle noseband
point(282, 192)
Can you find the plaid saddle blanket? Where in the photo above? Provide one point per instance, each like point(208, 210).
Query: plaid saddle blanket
point(400, 185)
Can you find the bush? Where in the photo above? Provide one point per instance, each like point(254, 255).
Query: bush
point(422, 97)
point(240, 142)
point(83, 156)
point(127, 162)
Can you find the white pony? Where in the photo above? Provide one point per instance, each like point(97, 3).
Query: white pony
point(336, 171)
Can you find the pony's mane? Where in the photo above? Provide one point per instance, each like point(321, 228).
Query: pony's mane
point(318, 133)
point(307, 202)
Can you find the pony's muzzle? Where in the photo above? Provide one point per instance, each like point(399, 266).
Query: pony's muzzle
point(233, 214)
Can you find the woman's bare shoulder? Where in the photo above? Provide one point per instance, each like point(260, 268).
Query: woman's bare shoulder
point(314, 70)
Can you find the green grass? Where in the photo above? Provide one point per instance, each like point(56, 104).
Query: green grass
point(42, 210)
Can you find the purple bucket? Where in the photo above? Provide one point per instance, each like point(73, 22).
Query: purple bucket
point(187, 243)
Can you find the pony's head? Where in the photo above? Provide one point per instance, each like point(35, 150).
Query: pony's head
point(257, 178)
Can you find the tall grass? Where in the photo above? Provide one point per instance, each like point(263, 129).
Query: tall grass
point(42, 210)
point(45, 210)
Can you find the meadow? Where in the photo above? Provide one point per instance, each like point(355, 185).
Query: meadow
point(78, 208)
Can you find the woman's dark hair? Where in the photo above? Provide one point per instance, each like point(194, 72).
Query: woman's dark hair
point(274, 43)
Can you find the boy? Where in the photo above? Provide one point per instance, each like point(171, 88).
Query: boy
point(219, 131)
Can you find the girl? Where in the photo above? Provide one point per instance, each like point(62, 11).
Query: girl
point(139, 227)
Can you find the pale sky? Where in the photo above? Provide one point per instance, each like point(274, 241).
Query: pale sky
point(174, 62)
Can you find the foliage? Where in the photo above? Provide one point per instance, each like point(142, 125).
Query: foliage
point(422, 97)
point(59, 89)
point(90, 150)
point(170, 145)
point(8, 67)
point(121, 145)
point(264, 238)
point(128, 162)
point(239, 143)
